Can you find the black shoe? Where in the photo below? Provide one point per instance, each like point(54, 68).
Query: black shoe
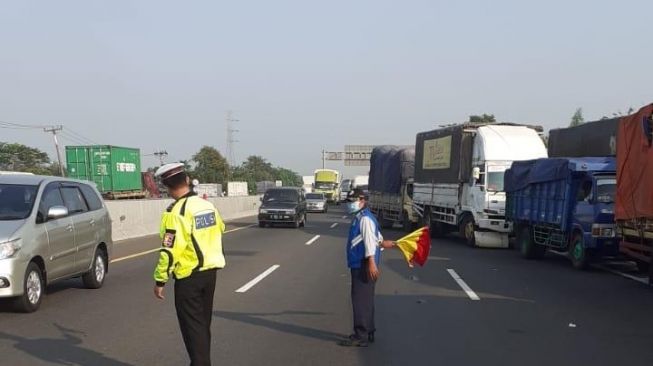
point(353, 341)
point(370, 337)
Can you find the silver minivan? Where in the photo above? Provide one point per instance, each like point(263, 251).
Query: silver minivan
point(51, 229)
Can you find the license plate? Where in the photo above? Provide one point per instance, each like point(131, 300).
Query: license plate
point(276, 217)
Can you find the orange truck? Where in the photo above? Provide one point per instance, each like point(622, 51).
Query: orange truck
point(634, 203)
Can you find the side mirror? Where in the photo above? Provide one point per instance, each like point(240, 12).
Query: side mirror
point(260, 199)
point(57, 212)
point(476, 173)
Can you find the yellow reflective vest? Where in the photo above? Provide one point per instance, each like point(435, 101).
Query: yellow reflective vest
point(191, 237)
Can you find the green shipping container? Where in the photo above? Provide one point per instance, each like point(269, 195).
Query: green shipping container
point(113, 169)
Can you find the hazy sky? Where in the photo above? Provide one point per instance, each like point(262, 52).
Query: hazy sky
point(306, 75)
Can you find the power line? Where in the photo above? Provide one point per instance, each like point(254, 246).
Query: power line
point(19, 126)
point(80, 136)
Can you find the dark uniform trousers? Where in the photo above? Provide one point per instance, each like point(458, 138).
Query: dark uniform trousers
point(194, 304)
point(362, 298)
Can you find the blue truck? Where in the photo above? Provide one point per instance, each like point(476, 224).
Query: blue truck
point(563, 205)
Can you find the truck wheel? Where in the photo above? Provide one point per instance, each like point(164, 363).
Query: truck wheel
point(385, 224)
point(528, 248)
point(642, 267)
point(467, 228)
point(407, 225)
point(577, 252)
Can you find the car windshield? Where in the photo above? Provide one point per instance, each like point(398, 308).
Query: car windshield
point(314, 196)
point(495, 181)
point(280, 195)
point(16, 201)
point(605, 189)
point(324, 185)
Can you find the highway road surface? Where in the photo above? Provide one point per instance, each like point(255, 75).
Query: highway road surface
point(284, 300)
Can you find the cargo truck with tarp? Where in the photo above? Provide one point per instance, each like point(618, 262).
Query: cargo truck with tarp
point(563, 205)
point(116, 171)
point(391, 186)
point(634, 203)
point(327, 181)
point(459, 177)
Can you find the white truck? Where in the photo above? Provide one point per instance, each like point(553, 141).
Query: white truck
point(459, 178)
point(391, 186)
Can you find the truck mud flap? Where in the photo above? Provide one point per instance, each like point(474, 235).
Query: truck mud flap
point(489, 239)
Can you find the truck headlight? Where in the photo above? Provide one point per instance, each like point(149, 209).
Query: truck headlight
point(605, 231)
point(9, 248)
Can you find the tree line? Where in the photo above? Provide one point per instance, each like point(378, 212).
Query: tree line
point(209, 166)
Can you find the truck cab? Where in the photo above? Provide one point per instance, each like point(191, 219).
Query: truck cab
point(494, 150)
point(593, 218)
point(327, 181)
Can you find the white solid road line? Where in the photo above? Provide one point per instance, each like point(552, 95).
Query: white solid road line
point(157, 249)
point(334, 225)
point(258, 279)
point(626, 275)
point(472, 295)
point(313, 240)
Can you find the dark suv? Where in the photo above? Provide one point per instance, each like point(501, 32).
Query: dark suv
point(283, 206)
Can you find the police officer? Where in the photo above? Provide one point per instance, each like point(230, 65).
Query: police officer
point(363, 257)
point(191, 252)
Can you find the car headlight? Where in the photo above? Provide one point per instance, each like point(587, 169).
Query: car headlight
point(264, 211)
point(291, 212)
point(8, 249)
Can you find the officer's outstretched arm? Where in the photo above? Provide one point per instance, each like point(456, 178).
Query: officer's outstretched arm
point(173, 243)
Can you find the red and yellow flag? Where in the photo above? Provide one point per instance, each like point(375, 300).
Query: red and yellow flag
point(416, 246)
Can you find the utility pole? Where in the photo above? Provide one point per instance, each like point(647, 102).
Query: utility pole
point(231, 141)
point(161, 154)
point(231, 154)
point(54, 130)
point(323, 159)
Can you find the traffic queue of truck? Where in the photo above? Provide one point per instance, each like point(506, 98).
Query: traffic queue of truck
point(588, 196)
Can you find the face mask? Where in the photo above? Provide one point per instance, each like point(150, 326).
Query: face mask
point(352, 207)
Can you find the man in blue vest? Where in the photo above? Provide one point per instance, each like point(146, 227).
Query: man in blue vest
point(363, 256)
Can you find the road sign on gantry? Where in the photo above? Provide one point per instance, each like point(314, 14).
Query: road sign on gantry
point(358, 155)
point(333, 155)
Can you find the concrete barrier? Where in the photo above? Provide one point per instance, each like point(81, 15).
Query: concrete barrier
point(136, 218)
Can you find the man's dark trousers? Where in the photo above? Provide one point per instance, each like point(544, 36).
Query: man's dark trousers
point(362, 298)
point(194, 304)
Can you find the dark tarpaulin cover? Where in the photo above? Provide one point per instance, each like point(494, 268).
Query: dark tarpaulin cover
point(635, 166)
point(377, 161)
point(389, 166)
point(523, 173)
point(460, 164)
point(598, 138)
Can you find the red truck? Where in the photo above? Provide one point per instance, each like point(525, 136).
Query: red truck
point(634, 202)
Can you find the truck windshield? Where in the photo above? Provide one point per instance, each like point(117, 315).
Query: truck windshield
point(495, 181)
point(325, 185)
point(16, 201)
point(346, 186)
point(605, 189)
point(280, 195)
